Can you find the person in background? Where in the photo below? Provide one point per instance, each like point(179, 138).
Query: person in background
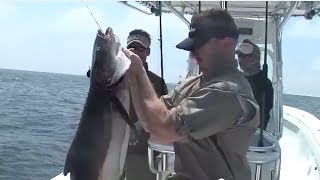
point(136, 165)
point(249, 61)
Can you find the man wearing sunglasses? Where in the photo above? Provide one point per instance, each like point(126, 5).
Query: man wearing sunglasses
point(249, 61)
point(209, 118)
point(137, 166)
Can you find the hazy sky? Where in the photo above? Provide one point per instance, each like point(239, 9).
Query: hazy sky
point(57, 36)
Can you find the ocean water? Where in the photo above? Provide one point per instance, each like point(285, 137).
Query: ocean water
point(39, 113)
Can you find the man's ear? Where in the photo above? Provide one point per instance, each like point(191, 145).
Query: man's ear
point(148, 51)
point(257, 56)
point(229, 42)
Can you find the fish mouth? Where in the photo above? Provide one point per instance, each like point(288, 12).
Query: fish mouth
point(108, 35)
point(122, 61)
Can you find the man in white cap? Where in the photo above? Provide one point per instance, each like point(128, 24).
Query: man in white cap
point(249, 61)
point(136, 166)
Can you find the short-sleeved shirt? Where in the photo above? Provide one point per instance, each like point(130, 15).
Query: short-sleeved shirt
point(217, 118)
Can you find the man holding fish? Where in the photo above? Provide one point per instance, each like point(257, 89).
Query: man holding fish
point(209, 118)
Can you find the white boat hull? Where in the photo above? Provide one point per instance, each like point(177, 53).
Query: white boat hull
point(300, 145)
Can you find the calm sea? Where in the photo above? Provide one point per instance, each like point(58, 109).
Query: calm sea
point(39, 113)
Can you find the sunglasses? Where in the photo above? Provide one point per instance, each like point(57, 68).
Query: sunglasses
point(137, 48)
point(240, 55)
point(202, 36)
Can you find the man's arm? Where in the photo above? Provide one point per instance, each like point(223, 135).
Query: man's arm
point(152, 113)
point(208, 111)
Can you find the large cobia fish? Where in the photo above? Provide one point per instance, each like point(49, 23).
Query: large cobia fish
point(99, 148)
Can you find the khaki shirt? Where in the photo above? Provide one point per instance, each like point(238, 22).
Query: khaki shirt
point(216, 118)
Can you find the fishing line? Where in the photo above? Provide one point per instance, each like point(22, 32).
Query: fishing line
point(84, 2)
point(92, 15)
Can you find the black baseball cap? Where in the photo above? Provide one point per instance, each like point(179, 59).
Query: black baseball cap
point(207, 26)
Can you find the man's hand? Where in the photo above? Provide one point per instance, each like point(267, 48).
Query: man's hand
point(136, 64)
point(152, 113)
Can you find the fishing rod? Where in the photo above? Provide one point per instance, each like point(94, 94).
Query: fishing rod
point(265, 76)
point(160, 37)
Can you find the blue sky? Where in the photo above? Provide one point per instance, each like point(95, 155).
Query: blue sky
point(57, 36)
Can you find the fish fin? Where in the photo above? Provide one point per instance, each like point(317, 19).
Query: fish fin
point(67, 166)
point(126, 116)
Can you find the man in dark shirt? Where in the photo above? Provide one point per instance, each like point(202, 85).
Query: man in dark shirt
point(136, 166)
point(249, 61)
point(210, 118)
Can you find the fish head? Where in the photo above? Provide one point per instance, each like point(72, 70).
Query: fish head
point(109, 63)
